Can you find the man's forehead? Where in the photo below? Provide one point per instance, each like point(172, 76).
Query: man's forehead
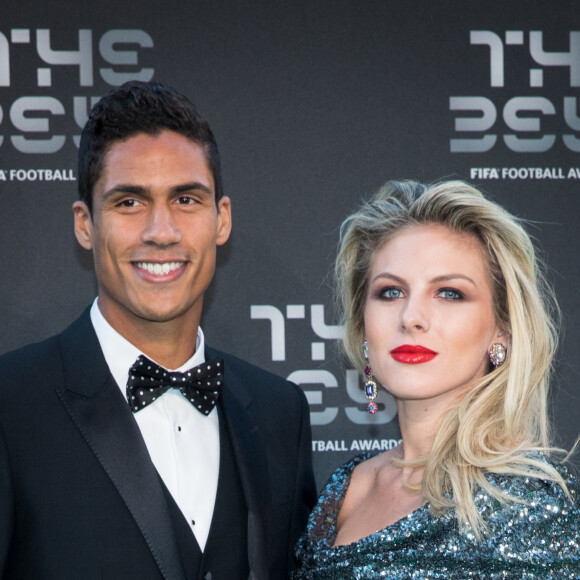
point(167, 154)
point(143, 141)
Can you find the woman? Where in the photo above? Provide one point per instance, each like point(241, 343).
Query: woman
point(444, 306)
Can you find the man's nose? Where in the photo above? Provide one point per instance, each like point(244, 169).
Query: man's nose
point(160, 227)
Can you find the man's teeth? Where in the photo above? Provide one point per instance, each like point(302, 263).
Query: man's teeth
point(159, 269)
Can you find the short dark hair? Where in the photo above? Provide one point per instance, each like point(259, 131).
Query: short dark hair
point(141, 107)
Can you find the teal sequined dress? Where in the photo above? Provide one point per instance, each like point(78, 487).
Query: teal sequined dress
point(539, 539)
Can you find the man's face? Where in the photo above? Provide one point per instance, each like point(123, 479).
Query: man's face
point(154, 231)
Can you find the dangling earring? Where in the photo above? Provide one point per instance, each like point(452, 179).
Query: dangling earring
point(497, 354)
point(370, 384)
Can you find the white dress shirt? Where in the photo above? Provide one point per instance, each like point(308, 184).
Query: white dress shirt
point(182, 442)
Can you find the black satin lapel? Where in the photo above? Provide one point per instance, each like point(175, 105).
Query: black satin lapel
point(100, 412)
point(106, 423)
point(253, 469)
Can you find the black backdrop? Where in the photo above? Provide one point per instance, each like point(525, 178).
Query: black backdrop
point(314, 105)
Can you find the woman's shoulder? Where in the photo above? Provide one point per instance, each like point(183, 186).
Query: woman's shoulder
point(322, 522)
point(537, 483)
point(337, 484)
point(534, 503)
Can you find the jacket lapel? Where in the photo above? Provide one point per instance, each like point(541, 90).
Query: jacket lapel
point(250, 459)
point(103, 417)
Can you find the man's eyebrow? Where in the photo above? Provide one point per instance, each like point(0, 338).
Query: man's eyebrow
point(144, 191)
point(193, 186)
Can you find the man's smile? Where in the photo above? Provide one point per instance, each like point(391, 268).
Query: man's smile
point(159, 268)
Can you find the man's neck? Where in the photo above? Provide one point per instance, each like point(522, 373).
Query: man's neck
point(170, 352)
point(169, 343)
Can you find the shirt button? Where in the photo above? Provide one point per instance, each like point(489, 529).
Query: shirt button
point(178, 427)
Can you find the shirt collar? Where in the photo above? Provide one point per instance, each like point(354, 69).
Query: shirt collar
point(120, 354)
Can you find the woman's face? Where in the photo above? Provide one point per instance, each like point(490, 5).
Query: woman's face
point(429, 318)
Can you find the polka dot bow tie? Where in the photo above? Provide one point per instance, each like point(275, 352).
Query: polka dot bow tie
point(200, 385)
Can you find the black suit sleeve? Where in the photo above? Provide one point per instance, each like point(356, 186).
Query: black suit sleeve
point(306, 494)
point(6, 504)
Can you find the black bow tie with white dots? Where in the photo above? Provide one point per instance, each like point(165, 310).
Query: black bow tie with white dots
point(200, 385)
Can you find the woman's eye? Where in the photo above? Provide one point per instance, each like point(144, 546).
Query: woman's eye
point(450, 294)
point(391, 293)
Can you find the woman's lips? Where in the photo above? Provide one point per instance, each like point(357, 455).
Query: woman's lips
point(412, 354)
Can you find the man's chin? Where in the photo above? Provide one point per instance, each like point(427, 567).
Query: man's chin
point(161, 315)
point(158, 310)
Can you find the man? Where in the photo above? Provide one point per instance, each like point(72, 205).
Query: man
point(111, 466)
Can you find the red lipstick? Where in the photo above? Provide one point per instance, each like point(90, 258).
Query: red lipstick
point(412, 354)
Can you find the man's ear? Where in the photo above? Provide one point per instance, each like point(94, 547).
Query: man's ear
point(83, 224)
point(224, 225)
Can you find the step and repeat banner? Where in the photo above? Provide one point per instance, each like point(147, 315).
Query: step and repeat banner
point(314, 106)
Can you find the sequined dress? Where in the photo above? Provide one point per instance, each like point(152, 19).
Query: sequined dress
point(537, 540)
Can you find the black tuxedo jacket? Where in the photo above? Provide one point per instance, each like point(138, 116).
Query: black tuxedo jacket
point(79, 495)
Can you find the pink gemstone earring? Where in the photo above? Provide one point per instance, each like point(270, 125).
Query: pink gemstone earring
point(370, 384)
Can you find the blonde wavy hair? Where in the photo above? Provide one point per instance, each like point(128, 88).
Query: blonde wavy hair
point(504, 416)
